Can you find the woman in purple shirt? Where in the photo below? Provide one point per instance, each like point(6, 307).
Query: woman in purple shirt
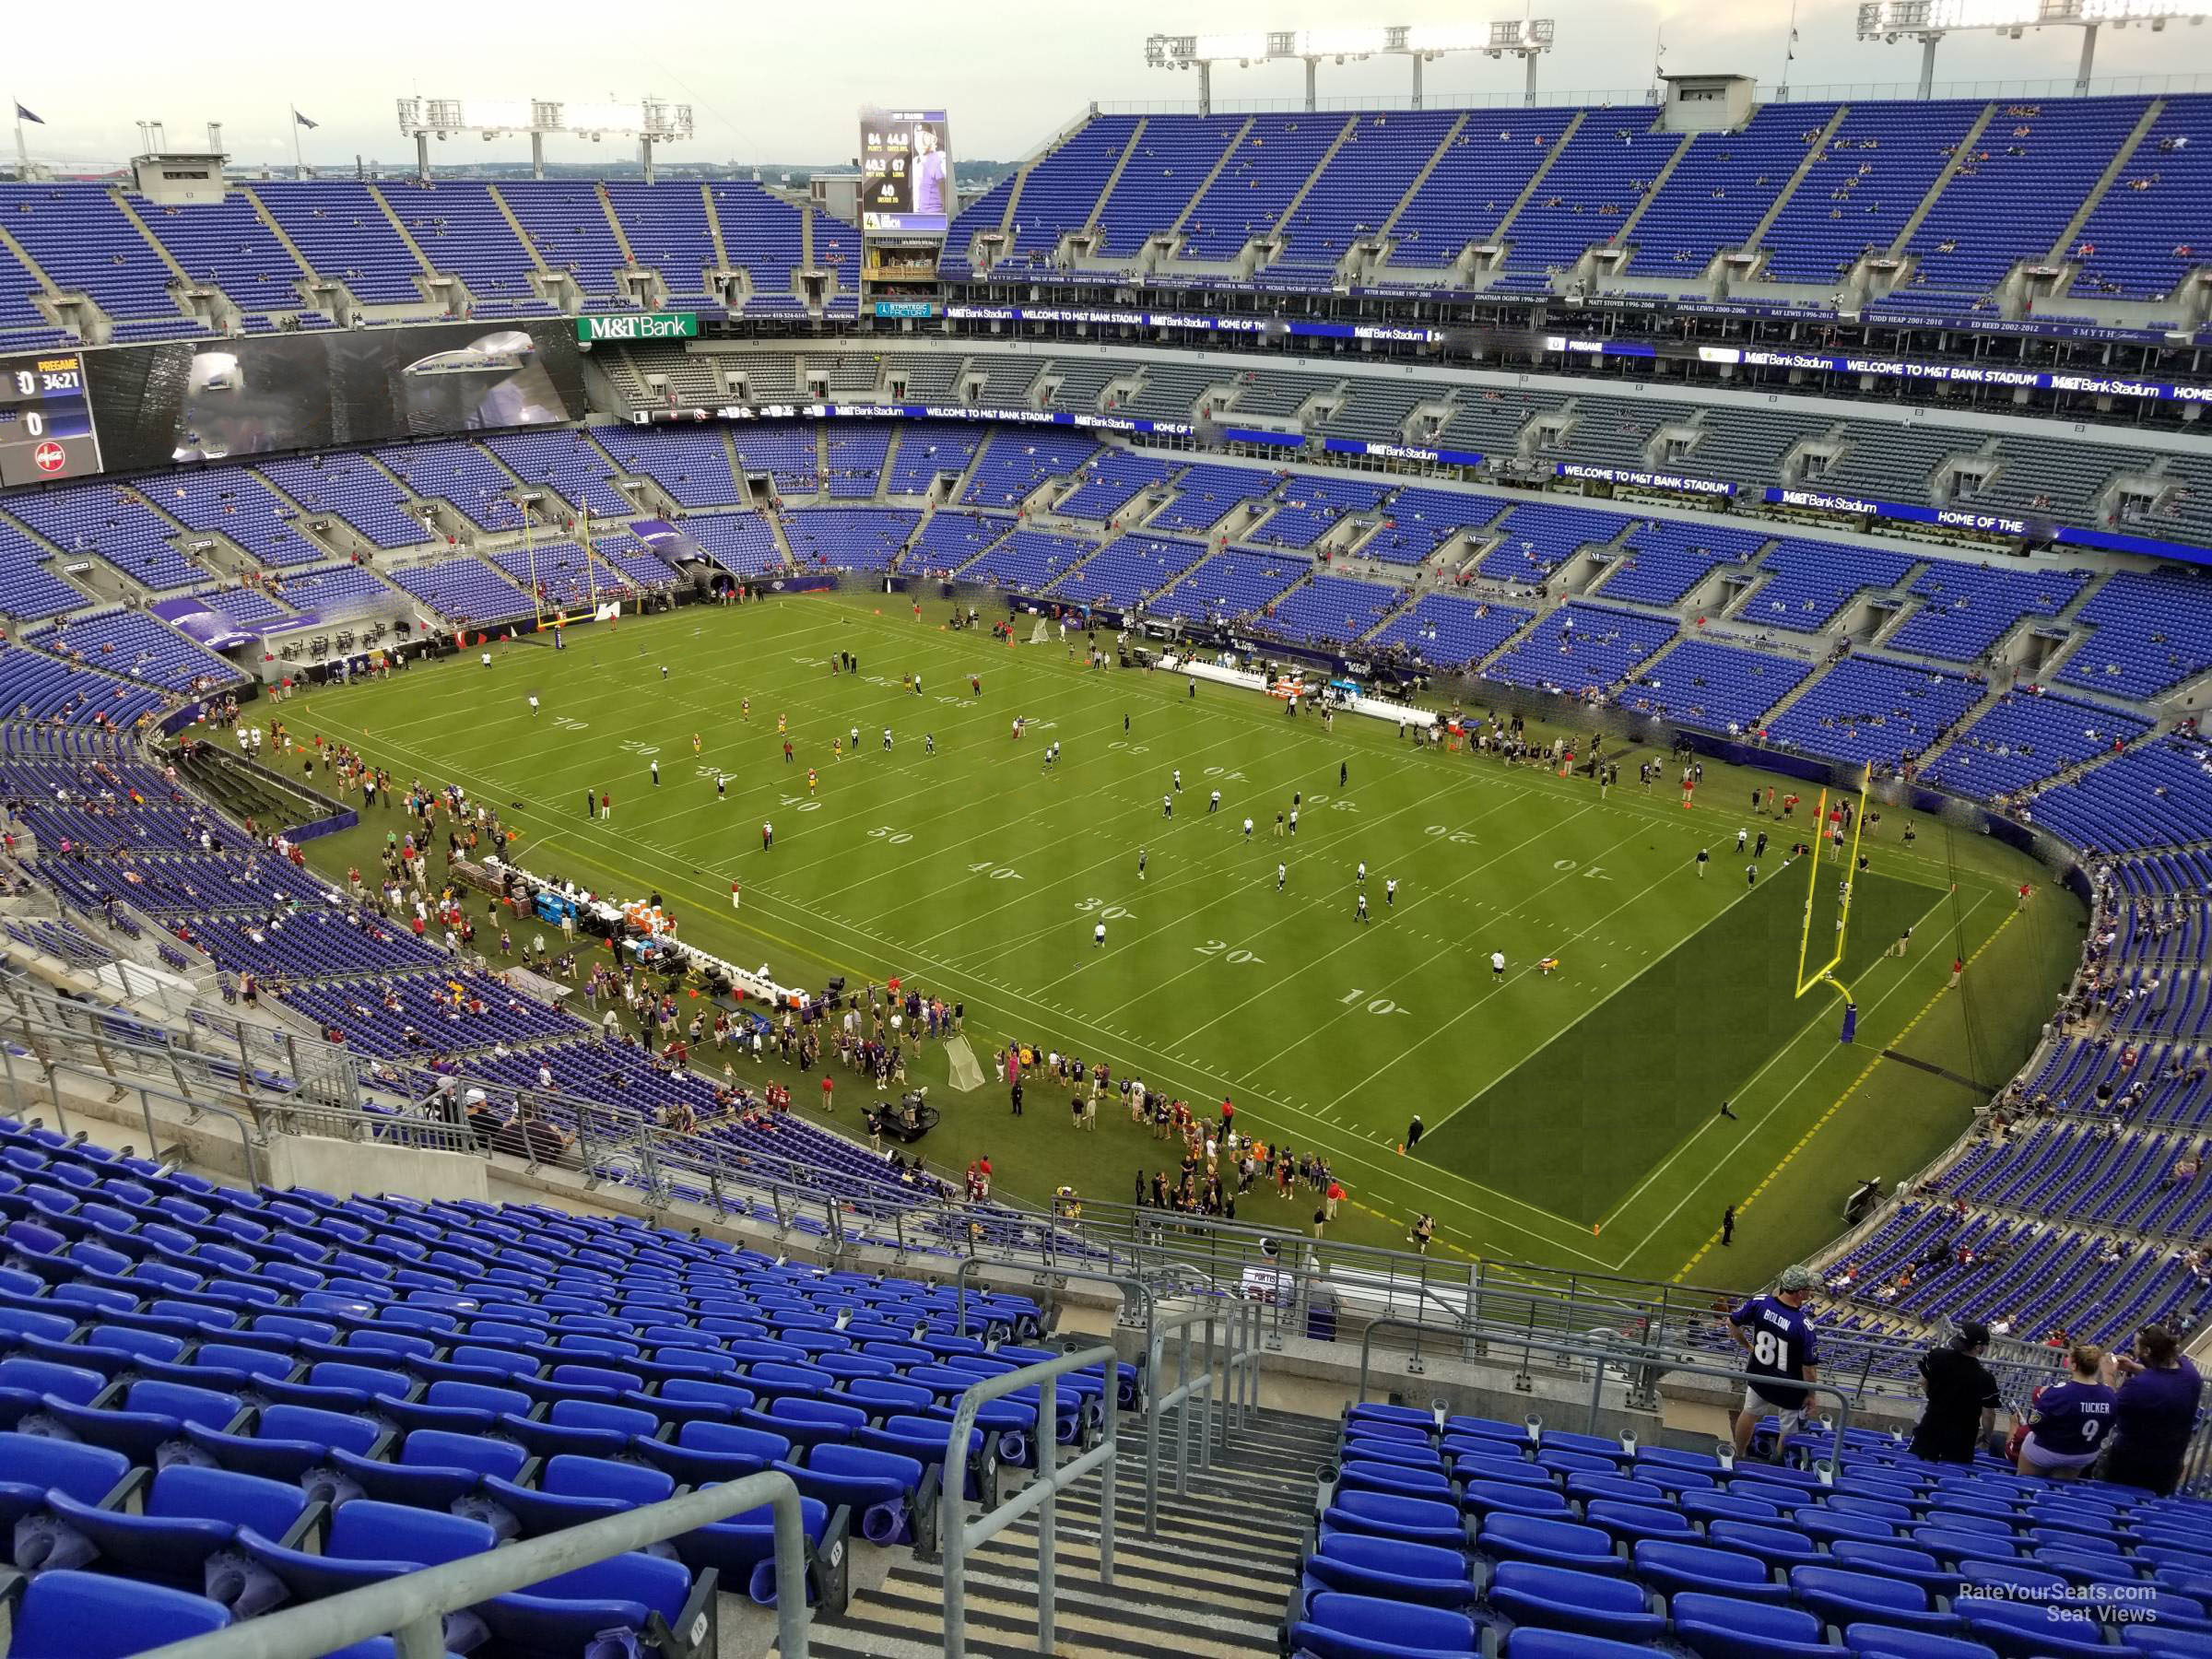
point(2154, 1411)
point(2072, 1420)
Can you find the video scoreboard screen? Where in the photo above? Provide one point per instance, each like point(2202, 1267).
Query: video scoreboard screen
point(905, 172)
point(46, 419)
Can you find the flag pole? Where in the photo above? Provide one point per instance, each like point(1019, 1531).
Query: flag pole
point(22, 148)
point(298, 161)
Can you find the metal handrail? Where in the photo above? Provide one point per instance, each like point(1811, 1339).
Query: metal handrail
point(1240, 1353)
point(410, 1608)
point(147, 1091)
point(1604, 1354)
point(1044, 1493)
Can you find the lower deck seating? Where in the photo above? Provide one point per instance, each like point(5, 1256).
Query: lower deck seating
point(218, 1403)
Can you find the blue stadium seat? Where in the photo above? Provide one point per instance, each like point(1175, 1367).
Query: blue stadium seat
point(703, 1452)
point(573, 1489)
point(1670, 1568)
point(145, 1416)
point(1776, 1545)
point(2027, 1630)
point(1898, 1562)
point(433, 1469)
point(1339, 1626)
point(652, 1598)
point(1841, 1596)
point(368, 1542)
point(1383, 1515)
point(1514, 1472)
point(1481, 1498)
point(283, 1443)
point(1720, 1627)
point(1548, 1542)
point(1588, 1602)
point(741, 1550)
point(189, 1513)
point(891, 1493)
point(32, 1467)
point(87, 1616)
point(1630, 1523)
point(1365, 1477)
point(2161, 1639)
point(1886, 1641)
point(1391, 1568)
point(1530, 1643)
point(1406, 1455)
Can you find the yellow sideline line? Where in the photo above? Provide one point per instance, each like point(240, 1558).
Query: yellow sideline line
point(1804, 1140)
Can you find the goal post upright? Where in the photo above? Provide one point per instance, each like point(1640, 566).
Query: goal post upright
point(1826, 972)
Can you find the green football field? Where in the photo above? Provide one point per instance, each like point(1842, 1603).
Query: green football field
point(1571, 1117)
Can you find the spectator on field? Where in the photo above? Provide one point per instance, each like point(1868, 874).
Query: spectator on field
point(1963, 1398)
point(2152, 1412)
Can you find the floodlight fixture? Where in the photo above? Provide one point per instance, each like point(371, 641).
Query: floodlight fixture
point(650, 121)
point(1927, 21)
point(1524, 38)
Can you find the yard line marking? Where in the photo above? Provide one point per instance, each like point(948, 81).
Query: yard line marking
point(1669, 876)
point(1357, 937)
point(1229, 713)
point(1837, 1104)
point(955, 971)
point(1905, 979)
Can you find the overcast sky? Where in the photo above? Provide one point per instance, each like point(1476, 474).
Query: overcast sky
point(781, 82)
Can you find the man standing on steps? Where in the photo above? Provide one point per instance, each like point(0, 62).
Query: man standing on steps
point(1782, 1356)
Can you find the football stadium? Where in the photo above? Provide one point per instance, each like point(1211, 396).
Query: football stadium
point(1375, 875)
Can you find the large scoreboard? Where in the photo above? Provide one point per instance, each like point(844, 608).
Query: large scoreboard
point(46, 419)
point(906, 180)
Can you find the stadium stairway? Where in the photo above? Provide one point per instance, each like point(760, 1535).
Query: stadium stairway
point(1960, 154)
point(1212, 1584)
point(1813, 152)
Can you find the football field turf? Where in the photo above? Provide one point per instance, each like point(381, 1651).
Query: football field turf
point(1571, 1117)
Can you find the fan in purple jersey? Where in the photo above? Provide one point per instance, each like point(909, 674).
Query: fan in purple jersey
point(1777, 1333)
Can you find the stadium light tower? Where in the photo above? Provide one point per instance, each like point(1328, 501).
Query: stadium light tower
point(650, 123)
point(1524, 38)
point(1928, 21)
